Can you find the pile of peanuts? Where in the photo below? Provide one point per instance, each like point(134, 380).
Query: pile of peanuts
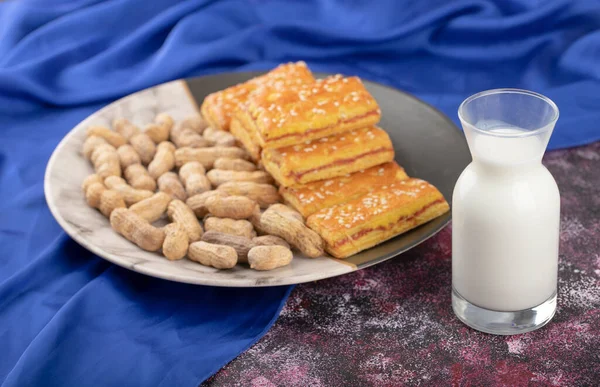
point(222, 208)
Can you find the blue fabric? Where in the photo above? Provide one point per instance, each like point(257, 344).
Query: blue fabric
point(68, 317)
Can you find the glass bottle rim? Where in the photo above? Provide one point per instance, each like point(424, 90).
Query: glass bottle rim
point(527, 133)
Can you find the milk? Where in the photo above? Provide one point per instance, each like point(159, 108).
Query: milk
point(505, 226)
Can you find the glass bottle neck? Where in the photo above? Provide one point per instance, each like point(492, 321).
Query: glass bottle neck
point(506, 152)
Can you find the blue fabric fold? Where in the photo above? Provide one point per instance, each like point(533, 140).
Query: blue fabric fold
point(70, 318)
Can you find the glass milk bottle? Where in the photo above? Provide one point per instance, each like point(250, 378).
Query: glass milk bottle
point(506, 215)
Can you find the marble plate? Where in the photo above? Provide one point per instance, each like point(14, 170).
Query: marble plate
point(428, 145)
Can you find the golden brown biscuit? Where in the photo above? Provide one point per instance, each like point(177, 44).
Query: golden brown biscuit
point(328, 157)
point(310, 198)
point(291, 115)
point(242, 125)
point(244, 137)
point(218, 108)
point(377, 216)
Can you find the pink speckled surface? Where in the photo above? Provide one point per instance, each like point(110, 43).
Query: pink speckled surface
point(392, 324)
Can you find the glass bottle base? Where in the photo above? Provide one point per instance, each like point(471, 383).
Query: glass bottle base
point(503, 323)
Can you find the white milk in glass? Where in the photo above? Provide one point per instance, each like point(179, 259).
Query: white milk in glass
point(505, 227)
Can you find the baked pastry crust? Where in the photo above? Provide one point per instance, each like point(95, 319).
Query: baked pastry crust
point(287, 116)
point(218, 108)
point(377, 216)
point(328, 157)
point(242, 125)
point(312, 197)
point(244, 137)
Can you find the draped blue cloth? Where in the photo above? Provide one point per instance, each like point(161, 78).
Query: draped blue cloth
point(67, 317)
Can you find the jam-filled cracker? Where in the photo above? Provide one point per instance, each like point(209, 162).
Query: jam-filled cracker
point(328, 157)
point(377, 216)
point(243, 135)
point(218, 108)
point(312, 197)
point(242, 126)
point(289, 116)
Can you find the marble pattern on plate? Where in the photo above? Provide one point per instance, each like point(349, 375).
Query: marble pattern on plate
point(67, 168)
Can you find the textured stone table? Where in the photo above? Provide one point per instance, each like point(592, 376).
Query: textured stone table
point(392, 324)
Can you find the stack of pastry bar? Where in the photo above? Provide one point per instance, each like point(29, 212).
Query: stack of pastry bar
point(319, 141)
